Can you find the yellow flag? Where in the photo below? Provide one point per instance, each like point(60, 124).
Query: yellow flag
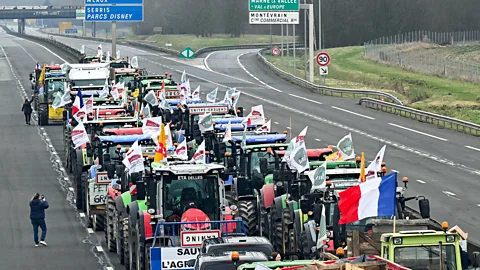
point(42, 75)
point(136, 93)
point(362, 168)
point(161, 151)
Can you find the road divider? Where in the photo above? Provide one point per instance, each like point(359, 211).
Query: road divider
point(422, 116)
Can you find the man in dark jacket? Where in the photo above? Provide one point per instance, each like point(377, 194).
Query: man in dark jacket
point(37, 217)
point(27, 110)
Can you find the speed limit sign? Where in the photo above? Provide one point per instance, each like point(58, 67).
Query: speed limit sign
point(323, 59)
point(276, 51)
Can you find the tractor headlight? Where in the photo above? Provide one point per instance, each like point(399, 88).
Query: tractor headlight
point(151, 211)
point(450, 238)
point(233, 207)
point(279, 184)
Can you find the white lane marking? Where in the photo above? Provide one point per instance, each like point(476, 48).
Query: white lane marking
point(71, 189)
point(419, 132)
point(449, 193)
point(90, 230)
point(338, 125)
point(304, 98)
point(318, 140)
point(473, 148)
point(478, 205)
point(25, 51)
point(99, 248)
point(395, 171)
point(347, 111)
point(253, 76)
point(421, 182)
point(276, 123)
point(110, 268)
point(82, 215)
point(205, 61)
point(289, 128)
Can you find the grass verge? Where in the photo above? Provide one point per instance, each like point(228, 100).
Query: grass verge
point(348, 69)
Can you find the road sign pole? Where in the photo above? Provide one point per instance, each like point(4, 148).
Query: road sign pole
point(271, 37)
point(310, 43)
point(281, 29)
point(288, 49)
point(320, 25)
point(114, 39)
point(305, 42)
point(84, 28)
point(294, 52)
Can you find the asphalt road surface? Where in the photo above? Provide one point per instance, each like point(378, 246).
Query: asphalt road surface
point(31, 162)
point(441, 164)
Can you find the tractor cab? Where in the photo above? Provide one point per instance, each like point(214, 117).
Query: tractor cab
point(190, 117)
point(53, 84)
point(423, 249)
point(318, 154)
point(130, 77)
point(87, 59)
point(119, 64)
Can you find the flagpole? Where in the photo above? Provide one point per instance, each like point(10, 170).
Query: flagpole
point(394, 223)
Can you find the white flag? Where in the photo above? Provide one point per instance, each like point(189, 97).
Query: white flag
point(151, 98)
point(185, 86)
point(267, 127)
point(199, 156)
point(196, 93)
point(301, 136)
point(183, 97)
point(115, 93)
point(118, 55)
point(236, 97)
point(205, 122)
point(299, 158)
point(134, 159)
point(61, 100)
point(107, 58)
point(181, 150)
point(99, 51)
point(104, 92)
point(318, 177)
point(376, 165)
point(256, 116)
point(79, 135)
point(145, 110)
point(134, 62)
point(168, 136)
point(82, 49)
point(228, 132)
point(228, 96)
point(345, 146)
point(212, 96)
point(88, 107)
point(184, 77)
point(152, 125)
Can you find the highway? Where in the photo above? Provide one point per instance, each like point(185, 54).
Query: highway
point(32, 163)
point(441, 164)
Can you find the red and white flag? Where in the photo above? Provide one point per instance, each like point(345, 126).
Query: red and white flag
point(376, 165)
point(79, 135)
point(228, 132)
point(267, 127)
point(181, 150)
point(199, 156)
point(256, 116)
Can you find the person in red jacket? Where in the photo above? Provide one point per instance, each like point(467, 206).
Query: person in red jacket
point(38, 204)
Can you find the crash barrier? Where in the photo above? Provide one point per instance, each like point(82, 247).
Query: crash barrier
point(70, 53)
point(422, 116)
point(324, 90)
point(175, 52)
point(172, 234)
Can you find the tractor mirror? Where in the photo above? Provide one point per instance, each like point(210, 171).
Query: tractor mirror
point(424, 206)
point(30, 76)
point(191, 262)
point(240, 112)
point(263, 165)
point(304, 205)
point(106, 158)
point(140, 190)
point(110, 170)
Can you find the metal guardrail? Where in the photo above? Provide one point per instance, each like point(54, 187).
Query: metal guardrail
point(324, 90)
point(175, 52)
point(422, 116)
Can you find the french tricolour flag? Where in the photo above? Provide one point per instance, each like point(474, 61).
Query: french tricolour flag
point(373, 198)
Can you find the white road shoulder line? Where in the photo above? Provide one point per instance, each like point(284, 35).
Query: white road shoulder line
point(253, 76)
point(419, 132)
point(307, 99)
point(110, 268)
point(205, 61)
point(473, 148)
point(347, 111)
point(449, 193)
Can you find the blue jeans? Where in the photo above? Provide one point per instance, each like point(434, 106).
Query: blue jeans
point(39, 223)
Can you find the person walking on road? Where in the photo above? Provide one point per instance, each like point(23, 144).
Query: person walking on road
point(38, 204)
point(27, 110)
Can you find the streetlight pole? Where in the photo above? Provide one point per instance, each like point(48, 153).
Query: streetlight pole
point(320, 25)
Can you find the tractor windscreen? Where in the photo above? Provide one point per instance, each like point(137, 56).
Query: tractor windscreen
point(426, 257)
point(54, 86)
point(90, 82)
point(194, 191)
point(125, 79)
point(255, 157)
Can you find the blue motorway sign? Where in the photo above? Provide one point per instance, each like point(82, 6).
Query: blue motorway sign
point(114, 13)
point(71, 31)
point(113, 2)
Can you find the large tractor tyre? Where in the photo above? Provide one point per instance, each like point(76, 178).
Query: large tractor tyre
point(141, 264)
point(289, 236)
point(43, 114)
point(275, 229)
point(110, 222)
point(304, 250)
point(132, 245)
point(77, 179)
point(124, 260)
point(97, 222)
point(247, 210)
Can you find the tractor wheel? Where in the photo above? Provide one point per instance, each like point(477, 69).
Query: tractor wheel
point(289, 236)
point(43, 114)
point(100, 222)
point(248, 212)
point(304, 250)
point(275, 229)
point(132, 245)
point(292, 246)
point(110, 236)
point(124, 242)
point(77, 178)
point(141, 265)
point(148, 258)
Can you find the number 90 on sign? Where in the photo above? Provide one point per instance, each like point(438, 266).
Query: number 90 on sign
point(323, 59)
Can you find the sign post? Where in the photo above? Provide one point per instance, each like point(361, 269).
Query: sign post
point(323, 60)
point(276, 51)
point(115, 10)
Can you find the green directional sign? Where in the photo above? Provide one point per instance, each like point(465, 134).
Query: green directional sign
point(274, 5)
point(187, 53)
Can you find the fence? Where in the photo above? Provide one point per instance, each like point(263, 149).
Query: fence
point(420, 51)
